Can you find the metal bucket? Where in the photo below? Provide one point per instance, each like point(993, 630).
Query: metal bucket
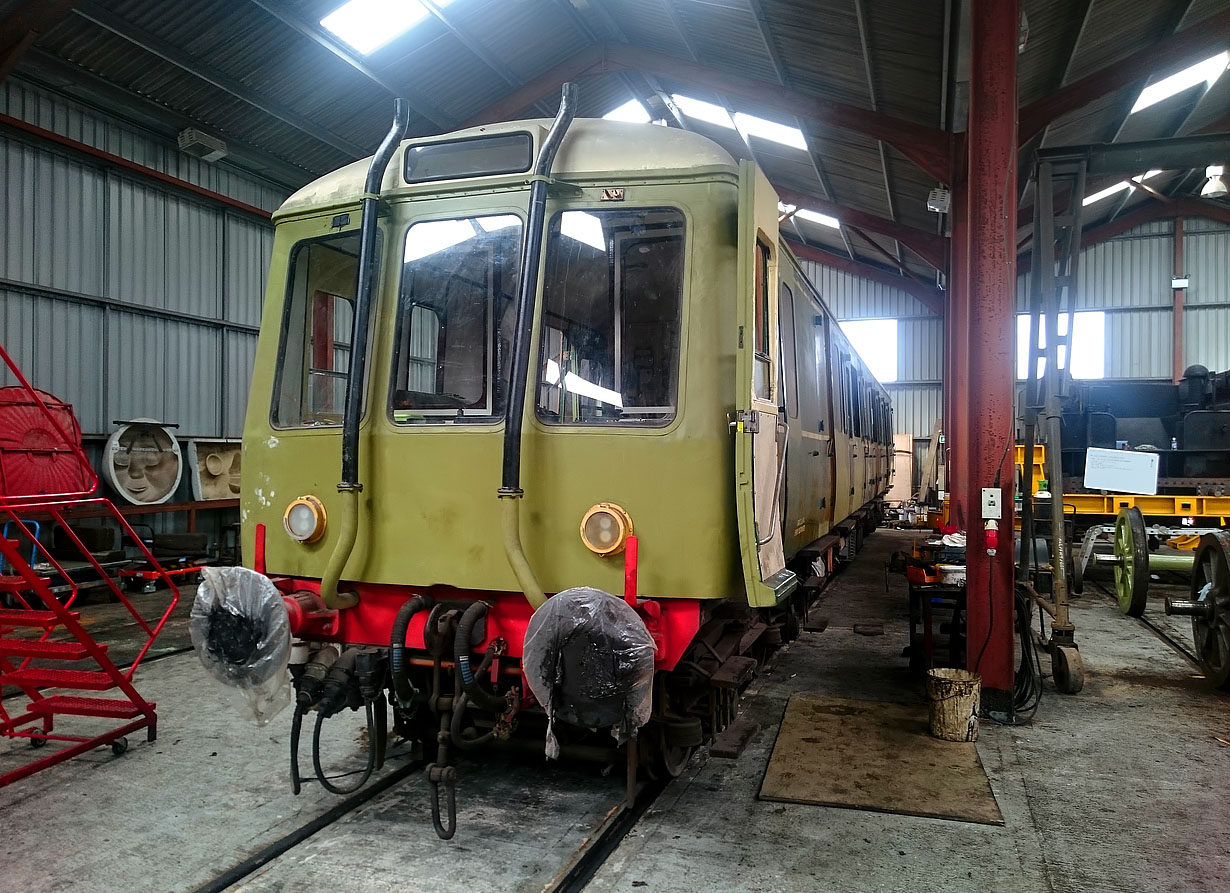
point(954, 697)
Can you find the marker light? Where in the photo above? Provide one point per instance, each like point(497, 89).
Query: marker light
point(304, 519)
point(605, 528)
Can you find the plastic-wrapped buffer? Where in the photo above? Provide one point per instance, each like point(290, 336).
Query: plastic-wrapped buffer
point(241, 633)
point(589, 661)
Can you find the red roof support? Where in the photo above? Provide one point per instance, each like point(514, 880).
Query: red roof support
point(931, 298)
point(1187, 46)
point(988, 390)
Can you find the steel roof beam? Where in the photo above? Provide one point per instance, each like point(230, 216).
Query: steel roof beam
point(931, 298)
point(925, 147)
point(1187, 46)
point(931, 247)
point(779, 69)
point(51, 71)
point(479, 51)
point(420, 105)
point(168, 52)
point(24, 25)
point(1154, 210)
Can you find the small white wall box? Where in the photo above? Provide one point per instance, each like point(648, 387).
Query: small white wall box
point(939, 200)
point(1179, 282)
point(1121, 471)
point(991, 506)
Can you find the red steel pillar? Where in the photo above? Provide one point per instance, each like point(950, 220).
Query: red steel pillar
point(994, 28)
point(956, 380)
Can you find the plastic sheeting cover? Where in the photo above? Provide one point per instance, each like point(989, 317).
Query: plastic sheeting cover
point(589, 661)
point(241, 633)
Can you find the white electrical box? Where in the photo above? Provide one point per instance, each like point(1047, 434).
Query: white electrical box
point(991, 508)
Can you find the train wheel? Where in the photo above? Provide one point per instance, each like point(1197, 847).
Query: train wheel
point(665, 752)
point(1211, 587)
point(1132, 573)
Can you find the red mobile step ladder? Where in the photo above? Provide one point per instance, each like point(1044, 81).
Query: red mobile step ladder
point(41, 632)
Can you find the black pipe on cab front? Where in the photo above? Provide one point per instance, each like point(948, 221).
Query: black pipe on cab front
point(527, 290)
point(368, 267)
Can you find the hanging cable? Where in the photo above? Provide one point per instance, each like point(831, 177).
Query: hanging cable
point(371, 754)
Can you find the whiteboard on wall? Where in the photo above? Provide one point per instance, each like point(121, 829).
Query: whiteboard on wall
point(1122, 471)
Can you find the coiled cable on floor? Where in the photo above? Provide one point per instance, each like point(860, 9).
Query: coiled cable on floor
point(371, 754)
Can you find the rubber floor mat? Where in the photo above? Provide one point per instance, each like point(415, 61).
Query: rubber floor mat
point(877, 756)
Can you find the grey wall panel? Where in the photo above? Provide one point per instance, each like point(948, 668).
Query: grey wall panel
point(194, 258)
point(74, 120)
point(239, 359)
point(1207, 256)
point(51, 206)
point(1126, 272)
point(1138, 344)
point(249, 245)
point(17, 334)
point(59, 349)
point(920, 350)
point(137, 234)
point(915, 407)
point(136, 364)
point(1206, 337)
point(68, 358)
point(192, 380)
point(851, 297)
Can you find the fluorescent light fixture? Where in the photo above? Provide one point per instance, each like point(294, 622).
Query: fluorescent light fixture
point(583, 228)
point(1118, 187)
point(367, 25)
point(1207, 72)
point(631, 111)
point(750, 125)
point(703, 111)
point(578, 385)
point(813, 216)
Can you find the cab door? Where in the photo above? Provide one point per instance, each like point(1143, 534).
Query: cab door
point(759, 429)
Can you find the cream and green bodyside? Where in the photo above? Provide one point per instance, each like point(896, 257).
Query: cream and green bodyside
point(428, 511)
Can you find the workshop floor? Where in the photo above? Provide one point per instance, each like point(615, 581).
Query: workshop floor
point(1118, 788)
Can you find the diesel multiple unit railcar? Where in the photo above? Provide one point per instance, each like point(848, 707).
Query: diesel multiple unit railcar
point(549, 355)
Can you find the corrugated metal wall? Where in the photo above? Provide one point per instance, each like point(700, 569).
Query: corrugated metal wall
point(918, 392)
point(1127, 277)
point(124, 297)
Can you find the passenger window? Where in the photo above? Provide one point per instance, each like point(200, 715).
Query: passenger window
point(858, 404)
point(762, 374)
point(314, 355)
point(789, 361)
point(611, 317)
point(456, 313)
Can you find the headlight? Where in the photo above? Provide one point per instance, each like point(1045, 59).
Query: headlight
point(304, 519)
point(605, 528)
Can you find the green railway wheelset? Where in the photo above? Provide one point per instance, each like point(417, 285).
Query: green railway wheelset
point(1209, 602)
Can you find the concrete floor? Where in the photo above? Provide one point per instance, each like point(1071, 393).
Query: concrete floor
point(1118, 788)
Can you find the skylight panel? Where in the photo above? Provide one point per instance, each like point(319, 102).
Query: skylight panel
point(1206, 72)
point(631, 111)
point(750, 125)
point(817, 217)
point(703, 111)
point(805, 214)
point(367, 25)
point(1118, 187)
